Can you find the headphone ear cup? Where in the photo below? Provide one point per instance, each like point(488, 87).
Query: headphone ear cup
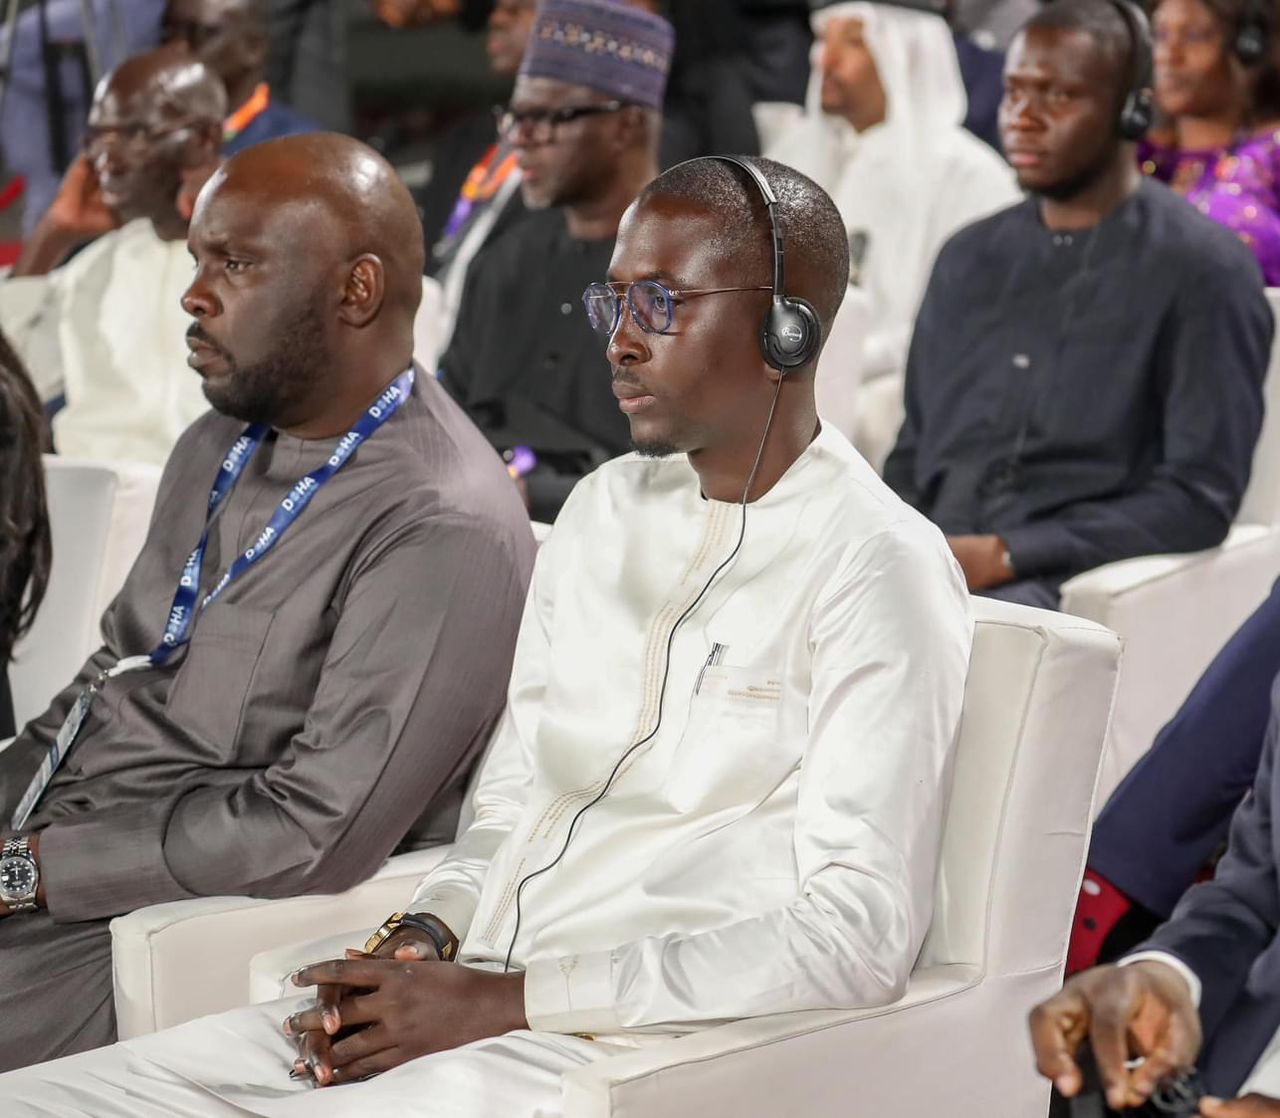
point(1137, 115)
point(1251, 43)
point(792, 334)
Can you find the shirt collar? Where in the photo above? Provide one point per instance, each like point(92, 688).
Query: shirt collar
point(247, 113)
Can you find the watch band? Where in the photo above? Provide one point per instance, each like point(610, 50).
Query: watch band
point(446, 943)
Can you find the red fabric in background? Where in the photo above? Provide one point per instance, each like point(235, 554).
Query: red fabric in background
point(11, 193)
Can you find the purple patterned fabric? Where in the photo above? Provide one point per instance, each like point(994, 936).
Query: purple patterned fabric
point(1238, 187)
point(605, 45)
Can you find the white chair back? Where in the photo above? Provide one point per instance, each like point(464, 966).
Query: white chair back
point(98, 517)
point(1037, 703)
point(1261, 504)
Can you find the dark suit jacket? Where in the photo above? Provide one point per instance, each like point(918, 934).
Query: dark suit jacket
point(1225, 931)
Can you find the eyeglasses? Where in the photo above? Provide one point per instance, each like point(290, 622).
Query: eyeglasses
point(538, 126)
point(128, 136)
point(653, 305)
point(188, 31)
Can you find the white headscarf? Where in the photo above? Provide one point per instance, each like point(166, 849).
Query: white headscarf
point(908, 182)
point(915, 58)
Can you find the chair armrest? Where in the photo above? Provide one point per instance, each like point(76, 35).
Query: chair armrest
point(1090, 593)
point(905, 1059)
point(177, 961)
point(1174, 613)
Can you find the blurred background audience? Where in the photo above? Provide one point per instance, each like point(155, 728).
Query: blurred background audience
point(584, 124)
point(883, 135)
point(1218, 93)
point(106, 331)
point(1060, 412)
point(230, 37)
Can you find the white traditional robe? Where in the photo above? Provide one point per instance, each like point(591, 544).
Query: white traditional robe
point(771, 847)
point(107, 331)
point(902, 187)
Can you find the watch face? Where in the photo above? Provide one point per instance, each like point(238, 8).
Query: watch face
point(17, 878)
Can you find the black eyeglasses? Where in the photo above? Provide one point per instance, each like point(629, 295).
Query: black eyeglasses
point(653, 305)
point(538, 126)
point(128, 136)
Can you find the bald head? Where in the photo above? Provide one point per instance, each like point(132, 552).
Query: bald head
point(814, 240)
point(169, 80)
point(344, 195)
point(154, 119)
point(309, 262)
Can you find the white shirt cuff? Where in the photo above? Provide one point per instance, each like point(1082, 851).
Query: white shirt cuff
point(573, 994)
point(1188, 975)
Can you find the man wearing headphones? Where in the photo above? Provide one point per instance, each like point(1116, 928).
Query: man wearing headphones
point(1085, 379)
point(718, 788)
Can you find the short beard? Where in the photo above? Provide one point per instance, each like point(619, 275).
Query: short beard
point(1078, 183)
point(654, 448)
point(270, 391)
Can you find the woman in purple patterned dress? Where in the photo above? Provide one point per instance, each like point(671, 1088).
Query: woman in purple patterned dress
point(1217, 85)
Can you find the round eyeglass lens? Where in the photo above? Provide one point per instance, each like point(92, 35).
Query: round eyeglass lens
point(602, 308)
point(651, 304)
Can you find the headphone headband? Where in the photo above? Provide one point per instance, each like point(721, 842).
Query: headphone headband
point(1253, 32)
point(770, 202)
point(792, 333)
point(1137, 112)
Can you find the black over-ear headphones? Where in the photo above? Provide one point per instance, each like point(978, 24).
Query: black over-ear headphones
point(1253, 32)
point(1137, 112)
point(792, 334)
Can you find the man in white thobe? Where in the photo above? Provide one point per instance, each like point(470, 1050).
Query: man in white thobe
point(718, 789)
point(883, 133)
point(106, 330)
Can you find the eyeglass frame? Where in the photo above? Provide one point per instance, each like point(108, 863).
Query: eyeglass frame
point(508, 120)
point(93, 134)
point(673, 297)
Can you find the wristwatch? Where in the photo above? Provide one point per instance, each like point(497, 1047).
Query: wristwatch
point(435, 930)
point(19, 875)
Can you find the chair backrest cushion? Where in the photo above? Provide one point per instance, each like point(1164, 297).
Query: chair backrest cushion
point(1037, 705)
point(98, 517)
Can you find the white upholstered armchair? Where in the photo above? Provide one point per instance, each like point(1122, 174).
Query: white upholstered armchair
point(1036, 710)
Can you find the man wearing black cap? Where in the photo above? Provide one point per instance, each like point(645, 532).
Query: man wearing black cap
point(585, 124)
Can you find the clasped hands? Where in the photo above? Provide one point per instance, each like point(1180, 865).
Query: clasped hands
point(375, 1012)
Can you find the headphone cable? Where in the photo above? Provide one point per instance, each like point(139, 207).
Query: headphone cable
point(662, 690)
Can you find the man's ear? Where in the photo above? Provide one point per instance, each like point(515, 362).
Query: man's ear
point(364, 291)
point(205, 147)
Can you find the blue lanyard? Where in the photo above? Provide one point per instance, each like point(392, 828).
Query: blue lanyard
point(187, 604)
